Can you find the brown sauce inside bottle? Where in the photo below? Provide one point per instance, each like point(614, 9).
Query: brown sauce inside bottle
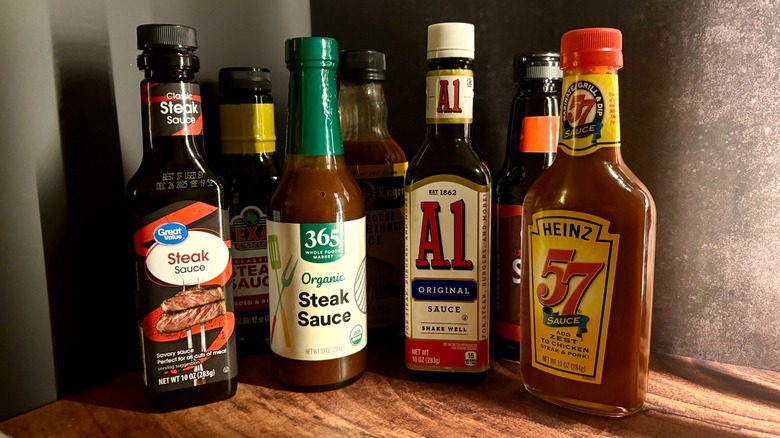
point(317, 189)
point(625, 361)
point(360, 152)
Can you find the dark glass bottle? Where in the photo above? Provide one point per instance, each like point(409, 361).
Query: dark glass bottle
point(531, 143)
point(447, 228)
point(180, 234)
point(379, 165)
point(590, 248)
point(316, 235)
point(248, 143)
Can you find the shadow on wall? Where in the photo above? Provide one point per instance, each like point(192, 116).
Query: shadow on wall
point(86, 234)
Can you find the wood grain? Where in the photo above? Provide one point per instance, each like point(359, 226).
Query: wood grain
point(688, 398)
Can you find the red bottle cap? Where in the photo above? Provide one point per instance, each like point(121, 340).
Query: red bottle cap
point(597, 46)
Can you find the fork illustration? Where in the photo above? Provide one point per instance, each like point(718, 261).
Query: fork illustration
point(287, 276)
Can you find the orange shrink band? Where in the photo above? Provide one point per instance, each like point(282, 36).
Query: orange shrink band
point(539, 134)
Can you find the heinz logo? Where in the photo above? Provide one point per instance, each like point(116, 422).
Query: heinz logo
point(170, 233)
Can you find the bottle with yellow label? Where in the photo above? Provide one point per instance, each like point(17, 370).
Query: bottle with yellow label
point(248, 142)
point(589, 246)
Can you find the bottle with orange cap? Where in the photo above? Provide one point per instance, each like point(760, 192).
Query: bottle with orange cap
point(589, 244)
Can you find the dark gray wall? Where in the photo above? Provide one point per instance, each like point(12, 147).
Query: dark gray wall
point(70, 130)
point(700, 122)
point(30, 172)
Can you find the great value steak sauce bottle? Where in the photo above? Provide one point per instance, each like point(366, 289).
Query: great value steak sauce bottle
point(181, 236)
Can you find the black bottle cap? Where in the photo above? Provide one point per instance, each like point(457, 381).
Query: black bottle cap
point(244, 78)
point(166, 35)
point(166, 46)
point(542, 65)
point(361, 65)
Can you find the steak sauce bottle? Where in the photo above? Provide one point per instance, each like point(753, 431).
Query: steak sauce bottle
point(447, 228)
point(248, 141)
point(316, 235)
point(181, 237)
point(530, 149)
point(379, 165)
point(588, 248)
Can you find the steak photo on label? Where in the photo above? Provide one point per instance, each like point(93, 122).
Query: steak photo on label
point(191, 306)
point(173, 322)
point(193, 297)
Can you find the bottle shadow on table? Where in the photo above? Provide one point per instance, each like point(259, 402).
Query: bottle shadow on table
point(713, 375)
point(125, 393)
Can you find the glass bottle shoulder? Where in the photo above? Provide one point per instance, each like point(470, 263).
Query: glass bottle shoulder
point(249, 179)
point(174, 171)
point(511, 186)
point(373, 151)
point(599, 183)
point(448, 156)
point(262, 168)
point(316, 189)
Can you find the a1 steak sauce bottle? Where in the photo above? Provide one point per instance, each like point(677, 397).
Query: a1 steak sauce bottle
point(181, 237)
point(447, 227)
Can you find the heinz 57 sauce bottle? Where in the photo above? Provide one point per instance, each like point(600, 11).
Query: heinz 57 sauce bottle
point(316, 235)
point(248, 140)
point(379, 166)
point(589, 248)
point(448, 222)
point(530, 149)
point(180, 234)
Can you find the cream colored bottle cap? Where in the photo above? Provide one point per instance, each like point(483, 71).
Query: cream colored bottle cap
point(450, 40)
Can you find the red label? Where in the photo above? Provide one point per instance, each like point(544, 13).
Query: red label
point(173, 108)
point(185, 303)
point(506, 271)
point(461, 355)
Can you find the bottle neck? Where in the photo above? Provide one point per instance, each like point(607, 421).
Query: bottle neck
point(246, 121)
point(313, 126)
point(590, 119)
point(172, 116)
point(363, 111)
point(541, 86)
point(172, 74)
point(533, 98)
point(449, 97)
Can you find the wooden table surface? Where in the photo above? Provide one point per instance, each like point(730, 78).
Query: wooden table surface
point(688, 398)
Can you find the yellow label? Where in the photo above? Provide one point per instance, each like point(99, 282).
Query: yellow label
point(247, 128)
point(572, 259)
point(590, 114)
